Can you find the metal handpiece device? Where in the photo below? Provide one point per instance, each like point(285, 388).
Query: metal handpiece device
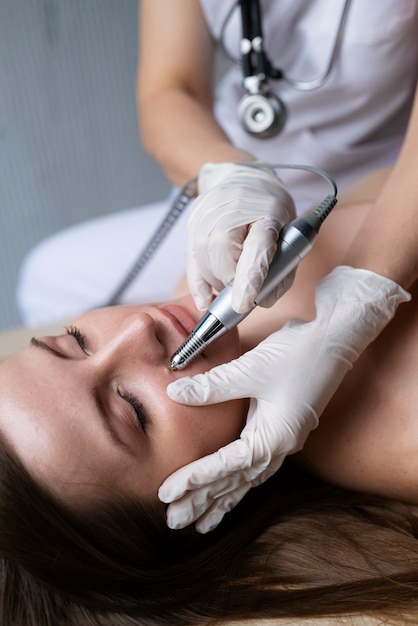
point(295, 241)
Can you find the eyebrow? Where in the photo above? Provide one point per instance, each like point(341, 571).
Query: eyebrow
point(38, 343)
point(105, 418)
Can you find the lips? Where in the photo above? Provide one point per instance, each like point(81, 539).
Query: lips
point(183, 318)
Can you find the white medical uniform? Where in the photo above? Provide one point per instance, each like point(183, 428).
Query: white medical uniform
point(354, 123)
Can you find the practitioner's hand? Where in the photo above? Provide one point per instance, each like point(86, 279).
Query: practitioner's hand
point(290, 377)
point(232, 233)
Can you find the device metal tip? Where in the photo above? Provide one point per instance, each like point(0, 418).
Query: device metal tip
point(180, 359)
point(208, 329)
point(187, 352)
point(175, 362)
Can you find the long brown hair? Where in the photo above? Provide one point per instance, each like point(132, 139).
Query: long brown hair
point(295, 547)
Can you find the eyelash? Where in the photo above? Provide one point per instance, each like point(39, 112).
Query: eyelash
point(76, 333)
point(137, 407)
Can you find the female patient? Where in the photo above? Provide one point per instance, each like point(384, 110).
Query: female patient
point(89, 433)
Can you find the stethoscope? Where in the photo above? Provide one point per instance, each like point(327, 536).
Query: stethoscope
point(261, 112)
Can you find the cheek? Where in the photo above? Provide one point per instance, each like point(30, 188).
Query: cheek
point(200, 431)
point(221, 423)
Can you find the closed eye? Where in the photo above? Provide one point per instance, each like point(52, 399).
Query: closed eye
point(137, 407)
point(79, 337)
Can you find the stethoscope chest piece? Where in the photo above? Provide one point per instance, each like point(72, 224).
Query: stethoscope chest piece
point(262, 115)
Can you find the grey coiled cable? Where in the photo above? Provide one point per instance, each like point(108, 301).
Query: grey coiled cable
point(180, 202)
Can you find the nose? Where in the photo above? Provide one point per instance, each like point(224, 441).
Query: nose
point(135, 339)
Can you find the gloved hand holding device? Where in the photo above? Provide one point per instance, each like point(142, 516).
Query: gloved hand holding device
point(233, 230)
point(290, 377)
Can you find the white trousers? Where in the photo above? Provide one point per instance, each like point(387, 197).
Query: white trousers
point(79, 268)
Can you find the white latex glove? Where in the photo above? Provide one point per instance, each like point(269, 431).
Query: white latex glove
point(232, 233)
point(290, 377)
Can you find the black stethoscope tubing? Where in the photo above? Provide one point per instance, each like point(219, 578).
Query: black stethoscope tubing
point(251, 20)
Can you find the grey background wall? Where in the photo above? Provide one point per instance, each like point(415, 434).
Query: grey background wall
point(69, 145)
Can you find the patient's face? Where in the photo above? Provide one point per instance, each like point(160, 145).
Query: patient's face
point(88, 411)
